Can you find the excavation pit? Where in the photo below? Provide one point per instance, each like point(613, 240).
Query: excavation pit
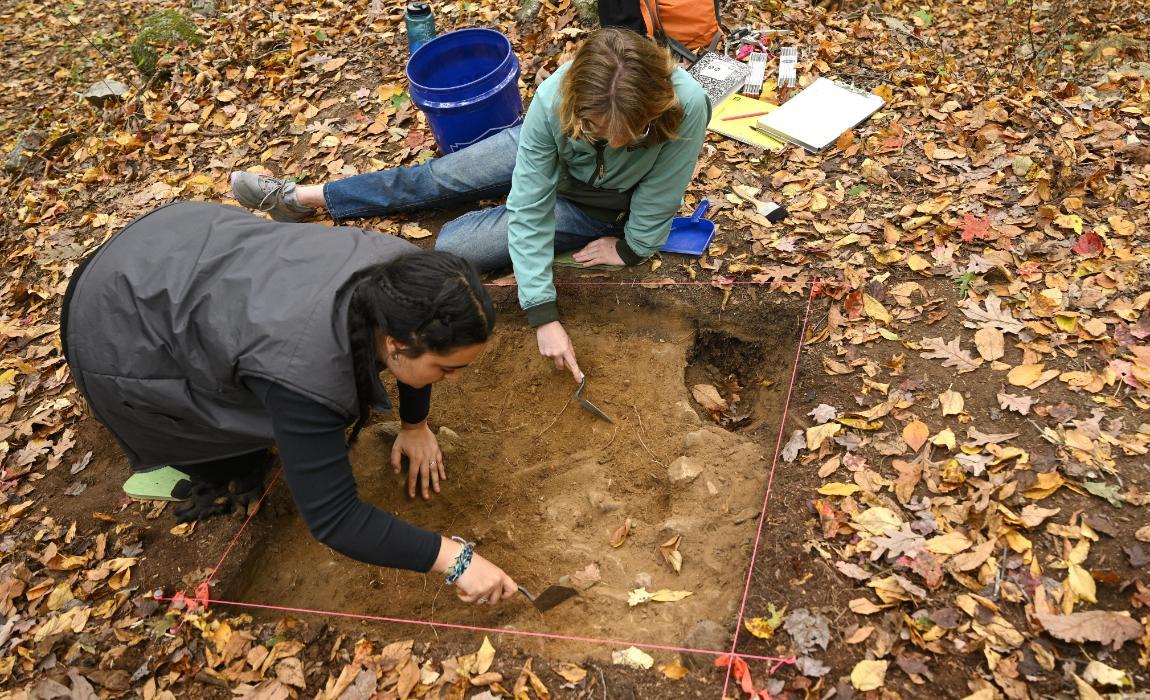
point(543, 487)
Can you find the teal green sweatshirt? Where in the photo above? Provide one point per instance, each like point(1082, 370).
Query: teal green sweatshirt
point(658, 176)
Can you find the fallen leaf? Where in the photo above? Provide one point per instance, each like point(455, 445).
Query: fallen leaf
point(868, 675)
point(1018, 404)
point(1102, 626)
point(484, 657)
point(764, 627)
point(571, 673)
point(991, 343)
point(873, 308)
point(620, 535)
point(818, 434)
point(1099, 673)
point(951, 354)
point(837, 488)
point(671, 553)
point(674, 670)
point(1024, 375)
point(709, 398)
point(915, 434)
point(632, 657)
point(951, 403)
point(1088, 244)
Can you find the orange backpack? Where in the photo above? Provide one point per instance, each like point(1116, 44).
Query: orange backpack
point(685, 26)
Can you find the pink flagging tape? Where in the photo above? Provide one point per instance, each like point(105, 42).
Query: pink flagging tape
point(486, 630)
point(814, 289)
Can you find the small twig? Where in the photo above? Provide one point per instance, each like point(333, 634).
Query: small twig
point(613, 434)
point(555, 418)
point(640, 436)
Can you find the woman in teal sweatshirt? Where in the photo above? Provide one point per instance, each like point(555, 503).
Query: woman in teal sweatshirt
point(599, 166)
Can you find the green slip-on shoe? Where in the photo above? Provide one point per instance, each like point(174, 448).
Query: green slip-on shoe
point(160, 484)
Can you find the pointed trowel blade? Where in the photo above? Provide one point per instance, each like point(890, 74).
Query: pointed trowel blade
point(550, 597)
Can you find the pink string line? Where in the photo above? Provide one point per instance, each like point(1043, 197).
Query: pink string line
point(770, 483)
point(649, 284)
point(487, 630)
point(211, 577)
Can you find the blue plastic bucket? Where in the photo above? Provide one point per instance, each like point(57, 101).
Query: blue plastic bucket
point(467, 83)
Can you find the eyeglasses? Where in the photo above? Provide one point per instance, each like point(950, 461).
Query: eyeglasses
point(597, 141)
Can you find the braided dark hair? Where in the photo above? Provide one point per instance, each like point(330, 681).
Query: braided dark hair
point(431, 301)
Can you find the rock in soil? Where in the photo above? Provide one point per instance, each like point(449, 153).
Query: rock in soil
point(102, 92)
point(684, 470)
point(23, 153)
point(706, 634)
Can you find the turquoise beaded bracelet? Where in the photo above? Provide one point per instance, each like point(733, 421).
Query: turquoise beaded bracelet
point(462, 561)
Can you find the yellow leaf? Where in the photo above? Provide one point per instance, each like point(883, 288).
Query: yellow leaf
point(951, 402)
point(666, 596)
point(868, 675)
point(861, 423)
point(945, 439)
point(1045, 485)
point(1070, 221)
point(873, 308)
point(952, 542)
point(818, 434)
point(865, 606)
point(917, 263)
point(1082, 583)
point(877, 520)
point(837, 488)
point(1024, 375)
point(674, 670)
point(413, 231)
point(572, 673)
point(1066, 324)
point(915, 433)
point(484, 657)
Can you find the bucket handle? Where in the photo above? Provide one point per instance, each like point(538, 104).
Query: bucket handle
point(700, 210)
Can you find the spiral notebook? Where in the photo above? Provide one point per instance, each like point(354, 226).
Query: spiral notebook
point(721, 76)
point(819, 114)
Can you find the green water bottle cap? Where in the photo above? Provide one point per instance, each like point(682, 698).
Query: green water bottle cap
point(418, 9)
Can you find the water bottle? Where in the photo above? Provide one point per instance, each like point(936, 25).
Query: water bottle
point(420, 24)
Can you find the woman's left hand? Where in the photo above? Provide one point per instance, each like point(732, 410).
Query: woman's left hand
point(424, 458)
point(600, 251)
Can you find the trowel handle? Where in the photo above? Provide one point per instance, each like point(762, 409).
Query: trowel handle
point(700, 210)
point(527, 593)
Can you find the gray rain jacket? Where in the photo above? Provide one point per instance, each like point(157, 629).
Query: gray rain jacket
point(177, 309)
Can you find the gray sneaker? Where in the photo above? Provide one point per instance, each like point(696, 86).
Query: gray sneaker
point(273, 195)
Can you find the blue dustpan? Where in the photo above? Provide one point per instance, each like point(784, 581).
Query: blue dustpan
point(690, 235)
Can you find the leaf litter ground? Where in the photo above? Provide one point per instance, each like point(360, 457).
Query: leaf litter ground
point(999, 556)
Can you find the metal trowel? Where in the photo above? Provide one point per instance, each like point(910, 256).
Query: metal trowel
point(550, 597)
point(590, 407)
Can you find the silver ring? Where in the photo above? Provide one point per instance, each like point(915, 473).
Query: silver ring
point(482, 600)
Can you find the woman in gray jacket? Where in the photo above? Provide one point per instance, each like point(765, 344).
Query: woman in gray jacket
point(202, 336)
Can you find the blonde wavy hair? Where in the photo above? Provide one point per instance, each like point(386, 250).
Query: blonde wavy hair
point(619, 89)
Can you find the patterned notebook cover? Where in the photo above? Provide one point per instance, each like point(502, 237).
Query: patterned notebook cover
point(721, 76)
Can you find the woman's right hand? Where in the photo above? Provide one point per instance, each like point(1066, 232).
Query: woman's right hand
point(484, 583)
point(554, 343)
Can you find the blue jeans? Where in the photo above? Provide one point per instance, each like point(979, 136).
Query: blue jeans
point(480, 171)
